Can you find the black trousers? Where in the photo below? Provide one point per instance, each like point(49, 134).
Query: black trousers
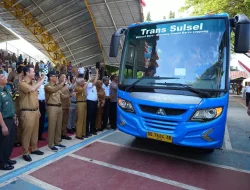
point(247, 98)
point(91, 116)
point(113, 111)
point(42, 109)
point(7, 142)
point(105, 115)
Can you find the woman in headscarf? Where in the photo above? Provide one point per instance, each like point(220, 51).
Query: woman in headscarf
point(101, 102)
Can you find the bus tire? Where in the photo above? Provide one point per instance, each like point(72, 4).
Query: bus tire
point(209, 150)
point(139, 138)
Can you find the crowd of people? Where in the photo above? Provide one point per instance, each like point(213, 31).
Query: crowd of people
point(76, 101)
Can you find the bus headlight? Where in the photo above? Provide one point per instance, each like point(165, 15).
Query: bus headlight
point(125, 105)
point(207, 114)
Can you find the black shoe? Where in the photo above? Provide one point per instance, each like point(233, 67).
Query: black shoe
point(11, 162)
point(66, 137)
point(114, 127)
point(89, 134)
point(94, 133)
point(80, 138)
point(27, 158)
point(54, 149)
point(70, 131)
point(61, 146)
point(86, 136)
point(37, 152)
point(41, 139)
point(7, 167)
point(100, 129)
point(17, 144)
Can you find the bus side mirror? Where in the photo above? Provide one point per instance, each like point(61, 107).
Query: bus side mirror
point(115, 42)
point(242, 34)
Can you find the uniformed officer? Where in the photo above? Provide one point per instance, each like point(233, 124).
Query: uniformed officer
point(81, 108)
point(7, 125)
point(29, 112)
point(101, 102)
point(65, 107)
point(53, 93)
point(113, 100)
point(42, 109)
point(105, 115)
point(72, 115)
point(15, 79)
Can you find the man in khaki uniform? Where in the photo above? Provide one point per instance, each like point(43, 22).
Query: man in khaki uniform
point(65, 107)
point(81, 107)
point(53, 94)
point(29, 112)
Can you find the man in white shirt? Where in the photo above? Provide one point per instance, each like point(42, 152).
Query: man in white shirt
point(105, 115)
point(42, 108)
point(92, 101)
point(81, 71)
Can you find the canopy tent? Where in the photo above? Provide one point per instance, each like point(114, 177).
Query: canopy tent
point(71, 30)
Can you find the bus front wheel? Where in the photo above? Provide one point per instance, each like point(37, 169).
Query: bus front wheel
point(209, 150)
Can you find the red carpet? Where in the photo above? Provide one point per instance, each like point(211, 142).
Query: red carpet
point(17, 151)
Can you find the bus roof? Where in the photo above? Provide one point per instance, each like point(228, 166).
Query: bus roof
point(180, 19)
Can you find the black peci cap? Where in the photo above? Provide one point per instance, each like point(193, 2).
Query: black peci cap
point(51, 73)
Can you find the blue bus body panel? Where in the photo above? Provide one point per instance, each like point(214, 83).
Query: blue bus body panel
point(183, 131)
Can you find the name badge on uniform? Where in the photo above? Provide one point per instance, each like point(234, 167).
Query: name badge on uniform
point(6, 103)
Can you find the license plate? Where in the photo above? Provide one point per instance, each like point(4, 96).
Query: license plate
point(159, 137)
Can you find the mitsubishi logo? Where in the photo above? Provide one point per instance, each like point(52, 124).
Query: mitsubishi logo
point(161, 112)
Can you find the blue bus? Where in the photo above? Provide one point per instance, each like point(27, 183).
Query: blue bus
point(174, 78)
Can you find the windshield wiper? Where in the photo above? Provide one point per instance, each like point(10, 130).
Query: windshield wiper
point(187, 87)
point(140, 79)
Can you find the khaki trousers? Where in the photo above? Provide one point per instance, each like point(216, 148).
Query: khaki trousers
point(65, 120)
point(30, 126)
point(99, 117)
point(55, 125)
point(81, 108)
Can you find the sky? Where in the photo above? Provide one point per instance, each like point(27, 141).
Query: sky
point(160, 8)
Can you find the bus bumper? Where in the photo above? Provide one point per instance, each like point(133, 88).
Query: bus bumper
point(194, 134)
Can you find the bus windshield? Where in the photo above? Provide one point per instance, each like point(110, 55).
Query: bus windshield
point(192, 53)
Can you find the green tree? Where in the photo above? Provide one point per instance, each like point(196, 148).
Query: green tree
point(164, 17)
point(148, 18)
point(171, 14)
point(112, 69)
point(232, 7)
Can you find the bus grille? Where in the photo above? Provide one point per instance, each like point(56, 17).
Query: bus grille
point(168, 111)
point(160, 124)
